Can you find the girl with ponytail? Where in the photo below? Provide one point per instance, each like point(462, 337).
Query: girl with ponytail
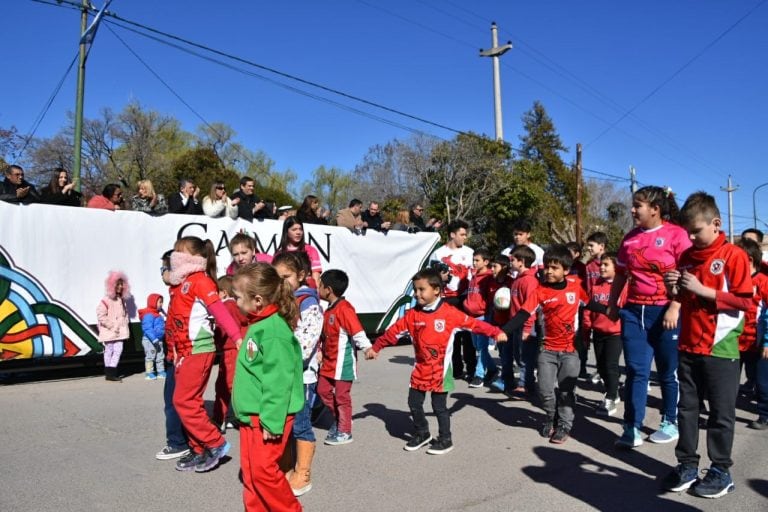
point(268, 388)
point(189, 335)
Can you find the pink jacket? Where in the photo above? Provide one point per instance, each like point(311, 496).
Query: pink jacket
point(112, 312)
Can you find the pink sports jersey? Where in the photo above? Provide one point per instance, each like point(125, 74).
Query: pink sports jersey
point(645, 256)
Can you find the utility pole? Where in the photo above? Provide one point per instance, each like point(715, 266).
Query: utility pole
point(730, 189)
point(578, 193)
point(76, 163)
point(632, 180)
point(495, 52)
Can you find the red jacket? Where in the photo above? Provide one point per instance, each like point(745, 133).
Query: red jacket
point(748, 338)
point(475, 303)
point(598, 322)
point(524, 285)
point(592, 274)
point(492, 315)
point(432, 333)
point(222, 341)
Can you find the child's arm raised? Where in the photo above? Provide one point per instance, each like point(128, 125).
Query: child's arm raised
point(390, 336)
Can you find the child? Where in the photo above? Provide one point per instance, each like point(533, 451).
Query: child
point(228, 355)
point(268, 390)
point(497, 317)
point(558, 299)
point(521, 235)
point(578, 269)
point(596, 244)
point(243, 250)
point(432, 324)
point(194, 297)
point(153, 330)
point(294, 267)
point(606, 336)
point(749, 348)
point(342, 332)
point(475, 305)
point(714, 287)
point(112, 315)
point(524, 343)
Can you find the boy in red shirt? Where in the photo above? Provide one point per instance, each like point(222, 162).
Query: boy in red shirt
point(524, 343)
point(596, 244)
point(558, 300)
point(432, 324)
point(714, 287)
point(749, 349)
point(499, 316)
point(475, 305)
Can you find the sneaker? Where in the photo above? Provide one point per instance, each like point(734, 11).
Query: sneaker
point(161, 375)
point(759, 424)
point(417, 441)
point(150, 376)
point(680, 478)
point(231, 424)
point(607, 408)
point(169, 453)
point(716, 483)
point(547, 429)
point(189, 461)
point(560, 436)
point(595, 378)
point(332, 431)
point(476, 382)
point(498, 385)
point(631, 438)
point(339, 438)
point(440, 446)
point(212, 457)
point(666, 434)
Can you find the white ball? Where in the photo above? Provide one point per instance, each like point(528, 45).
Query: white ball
point(502, 298)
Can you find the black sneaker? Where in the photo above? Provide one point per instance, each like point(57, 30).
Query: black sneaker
point(440, 446)
point(547, 429)
point(560, 436)
point(417, 441)
point(759, 424)
point(189, 461)
point(680, 478)
point(212, 457)
point(169, 453)
point(476, 382)
point(716, 483)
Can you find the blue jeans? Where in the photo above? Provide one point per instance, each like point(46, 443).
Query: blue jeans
point(174, 432)
point(302, 422)
point(761, 379)
point(645, 339)
point(154, 355)
point(529, 359)
point(485, 362)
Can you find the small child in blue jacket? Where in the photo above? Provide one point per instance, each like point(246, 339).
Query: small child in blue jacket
point(153, 330)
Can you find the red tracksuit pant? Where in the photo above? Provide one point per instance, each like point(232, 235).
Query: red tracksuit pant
point(265, 488)
point(192, 373)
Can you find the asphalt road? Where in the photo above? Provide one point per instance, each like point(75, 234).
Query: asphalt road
point(83, 444)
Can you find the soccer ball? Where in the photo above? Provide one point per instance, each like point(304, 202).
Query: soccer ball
point(502, 298)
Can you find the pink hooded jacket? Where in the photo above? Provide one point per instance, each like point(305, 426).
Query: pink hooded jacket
point(112, 312)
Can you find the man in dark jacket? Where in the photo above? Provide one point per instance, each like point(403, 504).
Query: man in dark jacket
point(372, 218)
point(250, 207)
point(186, 200)
point(15, 189)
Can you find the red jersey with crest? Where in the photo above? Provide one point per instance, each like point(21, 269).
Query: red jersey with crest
point(707, 327)
point(432, 332)
point(599, 322)
point(592, 274)
point(342, 332)
point(493, 315)
point(560, 312)
point(748, 338)
point(524, 285)
point(188, 328)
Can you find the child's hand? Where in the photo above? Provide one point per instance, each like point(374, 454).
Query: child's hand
point(238, 343)
point(672, 282)
point(268, 436)
point(319, 358)
point(765, 352)
point(501, 337)
point(671, 317)
point(691, 283)
point(371, 354)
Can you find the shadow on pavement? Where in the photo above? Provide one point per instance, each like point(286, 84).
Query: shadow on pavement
point(398, 423)
point(409, 360)
point(759, 486)
point(499, 408)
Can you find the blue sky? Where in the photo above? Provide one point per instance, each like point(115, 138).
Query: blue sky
point(587, 62)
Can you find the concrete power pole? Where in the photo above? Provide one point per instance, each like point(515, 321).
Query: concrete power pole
point(495, 52)
point(78, 137)
point(730, 189)
point(632, 180)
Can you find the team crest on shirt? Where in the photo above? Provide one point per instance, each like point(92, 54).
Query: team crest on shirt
point(570, 297)
point(185, 288)
point(659, 242)
point(331, 319)
point(717, 267)
point(251, 348)
point(439, 325)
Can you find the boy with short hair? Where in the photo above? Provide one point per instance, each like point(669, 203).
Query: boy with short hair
point(498, 316)
point(475, 305)
point(558, 300)
point(521, 235)
point(714, 287)
point(524, 342)
point(596, 244)
point(342, 333)
point(432, 325)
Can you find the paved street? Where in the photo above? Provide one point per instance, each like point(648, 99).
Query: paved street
point(83, 444)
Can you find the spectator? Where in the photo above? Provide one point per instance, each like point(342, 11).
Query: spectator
point(61, 190)
point(417, 219)
point(148, 201)
point(756, 235)
point(110, 199)
point(218, 204)
point(186, 200)
point(403, 222)
point(310, 211)
point(372, 218)
point(351, 217)
point(284, 212)
point(249, 207)
point(16, 189)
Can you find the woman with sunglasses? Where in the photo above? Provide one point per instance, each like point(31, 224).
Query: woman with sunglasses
point(218, 204)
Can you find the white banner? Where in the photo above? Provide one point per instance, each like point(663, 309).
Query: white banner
point(54, 260)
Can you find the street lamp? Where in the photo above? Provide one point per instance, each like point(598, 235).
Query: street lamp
point(754, 203)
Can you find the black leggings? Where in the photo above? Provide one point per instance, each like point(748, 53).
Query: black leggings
point(607, 353)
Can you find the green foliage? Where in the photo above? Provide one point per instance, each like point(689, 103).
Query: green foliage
point(331, 186)
point(203, 167)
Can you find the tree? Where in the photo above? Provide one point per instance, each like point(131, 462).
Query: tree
point(331, 186)
point(203, 167)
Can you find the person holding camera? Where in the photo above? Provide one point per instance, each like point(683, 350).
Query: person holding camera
point(454, 261)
